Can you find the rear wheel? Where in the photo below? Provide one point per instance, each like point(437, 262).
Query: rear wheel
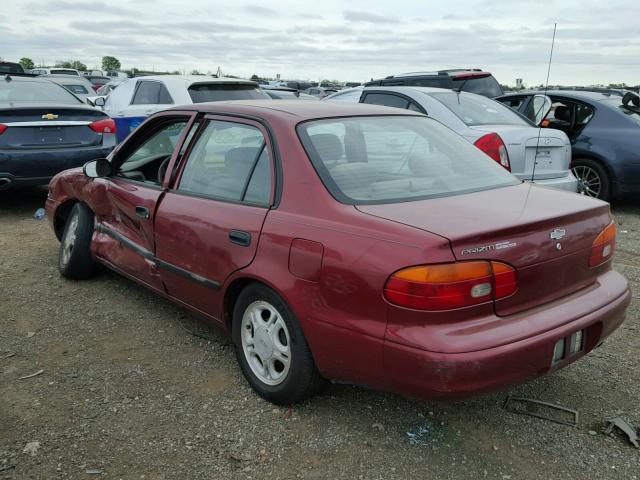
point(593, 179)
point(74, 260)
point(271, 349)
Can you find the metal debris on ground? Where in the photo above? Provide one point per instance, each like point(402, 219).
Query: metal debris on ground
point(94, 471)
point(31, 448)
point(537, 408)
point(625, 427)
point(419, 436)
point(9, 355)
point(32, 375)
point(6, 467)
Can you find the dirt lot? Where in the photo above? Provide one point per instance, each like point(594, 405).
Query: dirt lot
point(134, 387)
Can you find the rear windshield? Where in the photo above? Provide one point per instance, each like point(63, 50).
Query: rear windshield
point(11, 68)
point(214, 92)
point(366, 160)
point(78, 89)
point(476, 110)
point(64, 72)
point(46, 92)
point(487, 86)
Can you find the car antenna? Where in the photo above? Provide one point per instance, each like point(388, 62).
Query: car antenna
point(546, 87)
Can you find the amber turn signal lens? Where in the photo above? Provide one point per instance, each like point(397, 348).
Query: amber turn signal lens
point(450, 285)
point(603, 246)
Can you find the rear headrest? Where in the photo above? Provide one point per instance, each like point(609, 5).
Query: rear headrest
point(238, 161)
point(328, 146)
point(562, 113)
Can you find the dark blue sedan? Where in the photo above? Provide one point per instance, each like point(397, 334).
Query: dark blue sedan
point(605, 137)
point(45, 129)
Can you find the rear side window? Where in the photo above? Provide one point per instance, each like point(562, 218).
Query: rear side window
point(388, 159)
point(18, 91)
point(386, 100)
point(487, 86)
point(229, 162)
point(214, 92)
point(476, 110)
point(79, 89)
point(151, 93)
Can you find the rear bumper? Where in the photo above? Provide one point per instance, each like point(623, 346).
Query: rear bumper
point(36, 167)
point(436, 375)
point(568, 182)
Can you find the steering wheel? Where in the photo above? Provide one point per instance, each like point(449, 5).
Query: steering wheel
point(163, 169)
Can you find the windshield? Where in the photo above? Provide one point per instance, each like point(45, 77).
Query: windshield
point(215, 92)
point(17, 91)
point(476, 110)
point(365, 160)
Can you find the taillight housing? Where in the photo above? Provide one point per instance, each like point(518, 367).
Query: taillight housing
point(492, 145)
point(450, 285)
point(603, 246)
point(107, 125)
point(2, 128)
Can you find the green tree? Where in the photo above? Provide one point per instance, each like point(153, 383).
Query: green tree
point(196, 72)
point(27, 63)
point(255, 77)
point(110, 63)
point(75, 64)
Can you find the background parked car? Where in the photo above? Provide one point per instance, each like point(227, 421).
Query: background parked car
point(97, 81)
point(507, 137)
point(10, 67)
point(320, 92)
point(137, 98)
point(78, 85)
point(346, 95)
point(45, 129)
point(468, 80)
point(287, 94)
point(55, 71)
point(106, 89)
point(604, 134)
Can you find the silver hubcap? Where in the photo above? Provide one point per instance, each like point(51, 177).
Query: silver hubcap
point(266, 343)
point(69, 239)
point(589, 182)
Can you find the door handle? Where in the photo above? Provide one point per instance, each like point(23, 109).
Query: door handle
point(142, 212)
point(240, 238)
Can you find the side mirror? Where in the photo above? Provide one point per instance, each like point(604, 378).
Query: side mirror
point(99, 101)
point(541, 108)
point(97, 168)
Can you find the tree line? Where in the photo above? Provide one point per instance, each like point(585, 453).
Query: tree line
point(109, 64)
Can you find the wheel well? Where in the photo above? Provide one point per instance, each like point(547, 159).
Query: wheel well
point(61, 215)
point(600, 162)
point(231, 297)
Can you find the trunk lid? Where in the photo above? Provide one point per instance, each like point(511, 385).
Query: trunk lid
point(554, 150)
point(521, 226)
point(49, 127)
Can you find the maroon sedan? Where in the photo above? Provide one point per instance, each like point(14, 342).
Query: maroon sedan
point(347, 242)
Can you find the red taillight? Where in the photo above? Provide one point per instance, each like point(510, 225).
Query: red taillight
point(2, 128)
point(492, 145)
point(603, 246)
point(104, 126)
point(467, 75)
point(450, 285)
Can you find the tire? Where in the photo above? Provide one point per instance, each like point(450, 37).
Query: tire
point(593, 179)
point(74, 259)
point(271, 349)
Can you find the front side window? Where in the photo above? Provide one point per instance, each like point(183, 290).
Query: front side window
point(151, 93)
point(229, 161)
point(148, 161)
point(365, 160)
point(476, 110)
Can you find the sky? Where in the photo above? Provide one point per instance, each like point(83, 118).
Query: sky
point(349, 41)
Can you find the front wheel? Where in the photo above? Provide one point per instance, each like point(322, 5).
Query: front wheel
point(74, 259)
point(593, 180)
point(271, 349)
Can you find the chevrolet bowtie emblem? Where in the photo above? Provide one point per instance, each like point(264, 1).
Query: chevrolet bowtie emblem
point(49, 116)
point(557, 234)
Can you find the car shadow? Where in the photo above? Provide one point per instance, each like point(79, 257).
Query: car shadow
point(22, 201)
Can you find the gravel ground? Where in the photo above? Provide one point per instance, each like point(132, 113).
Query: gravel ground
point(134, 387)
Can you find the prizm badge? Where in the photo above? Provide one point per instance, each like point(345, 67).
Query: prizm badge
point(49, 116)
point(557, 234)
point(488, 248)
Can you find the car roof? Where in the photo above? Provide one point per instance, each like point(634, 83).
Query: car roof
point(19, 78)
point(191, 79)
point(294, 110)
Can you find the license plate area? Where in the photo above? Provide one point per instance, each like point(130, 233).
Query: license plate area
point(49, 135)
point(568, 347)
